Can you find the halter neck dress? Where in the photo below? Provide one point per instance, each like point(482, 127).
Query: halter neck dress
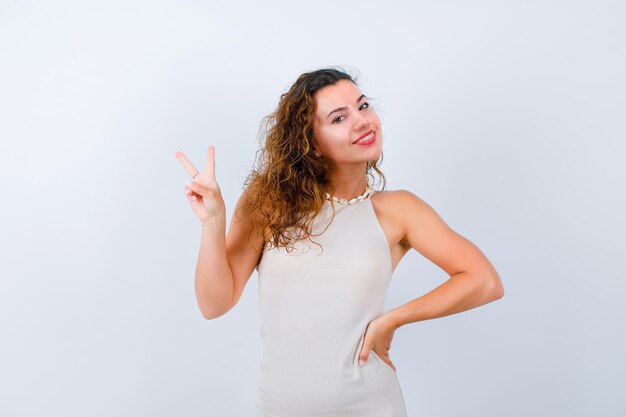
point(314, 309)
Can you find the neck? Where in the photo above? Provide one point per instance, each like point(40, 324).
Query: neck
point(344, 187)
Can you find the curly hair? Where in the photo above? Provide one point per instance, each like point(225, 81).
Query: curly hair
point(287, 186)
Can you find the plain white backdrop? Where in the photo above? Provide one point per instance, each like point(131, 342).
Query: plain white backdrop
point(508, 118)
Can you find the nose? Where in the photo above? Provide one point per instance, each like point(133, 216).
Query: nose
point(362, 120)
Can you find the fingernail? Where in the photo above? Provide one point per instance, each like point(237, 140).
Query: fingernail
point(361, 362)
point(188, 183)
point(193, 198)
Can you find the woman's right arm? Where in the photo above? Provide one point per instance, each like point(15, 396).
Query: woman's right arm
point(225, 263)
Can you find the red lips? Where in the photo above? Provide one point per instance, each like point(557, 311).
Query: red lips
point(363, 135)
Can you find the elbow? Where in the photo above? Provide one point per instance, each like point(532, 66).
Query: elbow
point(209, 315)
point(498, 293)
point(213, 313)
point(495, 289)
point(212, 309)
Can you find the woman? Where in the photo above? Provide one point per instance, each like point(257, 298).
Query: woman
point(325, 250)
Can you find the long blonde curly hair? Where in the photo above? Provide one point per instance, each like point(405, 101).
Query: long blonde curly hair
point(287, 186)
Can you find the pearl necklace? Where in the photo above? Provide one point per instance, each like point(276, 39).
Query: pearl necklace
point(368, 191)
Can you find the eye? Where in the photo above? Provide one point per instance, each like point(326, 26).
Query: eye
point(337, 118)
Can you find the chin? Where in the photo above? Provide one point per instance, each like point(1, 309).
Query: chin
point(377, 152)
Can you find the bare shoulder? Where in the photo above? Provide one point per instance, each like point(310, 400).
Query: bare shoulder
point(397, 199)
point(411, 218)
point(424, 230)
point(399, 203)
point(391, 207)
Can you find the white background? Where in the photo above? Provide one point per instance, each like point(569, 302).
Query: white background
point(508, 118)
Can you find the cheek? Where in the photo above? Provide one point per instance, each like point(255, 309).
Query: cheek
point(319, 136)
point(329, 138)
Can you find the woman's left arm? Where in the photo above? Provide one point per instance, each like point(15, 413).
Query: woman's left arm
point(473, 279)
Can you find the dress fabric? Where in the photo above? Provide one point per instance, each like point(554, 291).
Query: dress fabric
point(314, 309)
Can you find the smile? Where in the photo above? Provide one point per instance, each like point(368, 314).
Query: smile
point(366, 140)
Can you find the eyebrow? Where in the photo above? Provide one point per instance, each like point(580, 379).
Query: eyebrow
point(344, 107)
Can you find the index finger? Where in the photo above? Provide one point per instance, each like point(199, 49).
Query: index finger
point(191, 170)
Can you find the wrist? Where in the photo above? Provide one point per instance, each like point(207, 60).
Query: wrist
point(212, 223)
point(393, 319)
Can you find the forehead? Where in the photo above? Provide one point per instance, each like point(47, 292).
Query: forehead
point(342, 93)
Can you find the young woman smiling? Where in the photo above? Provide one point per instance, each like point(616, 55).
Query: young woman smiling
point(325, 244)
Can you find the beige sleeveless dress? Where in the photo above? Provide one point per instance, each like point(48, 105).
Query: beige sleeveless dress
point(314, 310)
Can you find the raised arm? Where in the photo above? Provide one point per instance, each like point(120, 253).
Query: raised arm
point(225, 263)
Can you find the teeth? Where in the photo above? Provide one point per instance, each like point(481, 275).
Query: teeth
point(366, 137)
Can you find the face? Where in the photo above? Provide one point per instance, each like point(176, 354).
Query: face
point(343, 115)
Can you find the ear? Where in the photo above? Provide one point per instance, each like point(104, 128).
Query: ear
point(316, 149)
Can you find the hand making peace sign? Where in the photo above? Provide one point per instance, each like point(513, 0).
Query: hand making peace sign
point(203, 192)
